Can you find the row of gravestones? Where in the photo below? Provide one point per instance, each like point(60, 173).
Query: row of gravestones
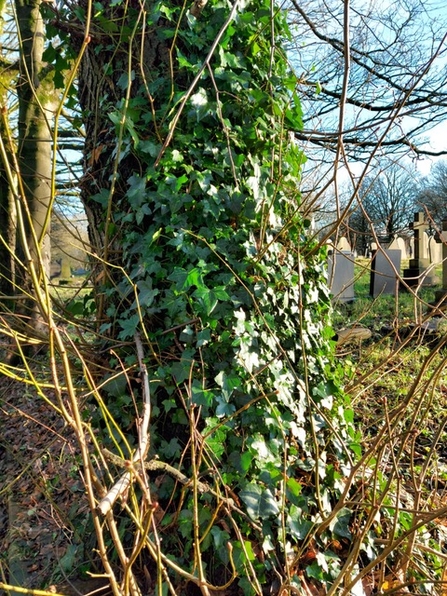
point(386, 264)
point(430, 247)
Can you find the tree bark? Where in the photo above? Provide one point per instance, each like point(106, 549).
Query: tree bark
point(107, 165)
point(7, 224)
point(7, 206)
point(36, 110)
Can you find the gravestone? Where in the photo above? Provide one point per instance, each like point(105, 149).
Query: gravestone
point(341, 275)
point(65, 268)
point(424, 253)
point(343, 244)
point(385, 272)
point(399, 243)
point(55, 269)
point(416, 272)
point(441, 295)
point(434, 250)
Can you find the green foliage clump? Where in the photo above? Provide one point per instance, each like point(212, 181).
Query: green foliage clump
point(226, 287)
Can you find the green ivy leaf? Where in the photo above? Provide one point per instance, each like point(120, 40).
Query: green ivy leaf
point(181, 370)
point(123, 81)
point(199, 103)
point(201, 396)
point(102, 197)
point(251, 496)
point(294, 489)
point(340, 526)
point(153, 149)
point(136, 194)
point(184, 62)
point(228, 383)
point(260, 502)
point(298, 524)
point(128, 326)
point(186, 279)
point(245, 461)
point(207, 298)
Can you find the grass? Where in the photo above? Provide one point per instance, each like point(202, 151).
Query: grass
point(385, 310)
point(62, 291)
point(398, 390)
point(399, 374)
point(397, 383)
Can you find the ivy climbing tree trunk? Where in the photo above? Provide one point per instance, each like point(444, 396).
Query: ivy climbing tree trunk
point(190, 187)
point(107, 92)
point(37, 102)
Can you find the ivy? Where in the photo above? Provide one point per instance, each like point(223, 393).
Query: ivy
point(226, 286)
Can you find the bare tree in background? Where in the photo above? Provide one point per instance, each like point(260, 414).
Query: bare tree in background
point(373, 84)
point(395, 90)
point(433, 194)
point(389, 199)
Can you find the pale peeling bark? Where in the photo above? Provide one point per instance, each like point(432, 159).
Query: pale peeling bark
point(37, 102)
point(36, 110)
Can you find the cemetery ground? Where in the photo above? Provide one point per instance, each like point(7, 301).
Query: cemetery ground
point(401, 367)
point(386, 309)
point(397, 381)
point(398, 385)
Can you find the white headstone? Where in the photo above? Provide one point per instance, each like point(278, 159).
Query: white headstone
point(399, 244)
point(341, 275)
point(343, 244)
point(423, 247)
point(443, 238)
point(434, 251)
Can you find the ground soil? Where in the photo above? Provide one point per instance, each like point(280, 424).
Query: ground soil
point(44, 516)
point(47, 540)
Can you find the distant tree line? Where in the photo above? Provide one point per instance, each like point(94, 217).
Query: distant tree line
point(386, 201)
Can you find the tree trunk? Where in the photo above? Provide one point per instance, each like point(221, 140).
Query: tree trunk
point(108, 164)
point(190, 187)
point(36, 110)
point(7, 206)
point(7, 225)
